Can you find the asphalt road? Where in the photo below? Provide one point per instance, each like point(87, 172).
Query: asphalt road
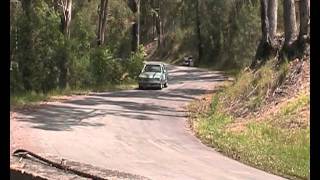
point(142, 132)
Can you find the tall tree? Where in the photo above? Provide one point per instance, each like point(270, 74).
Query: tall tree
point(103, 14)
point(272, 17)
point(290, 26)
point(265, 28)
point(158, 23)
point(65, 7)
point(27, 45)
point(154, 20)
point(268, 46)
point(198, 30)
point(134, 5)
point(13, 27)
point(304, 34)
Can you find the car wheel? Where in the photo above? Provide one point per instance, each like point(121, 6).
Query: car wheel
point(166, 84)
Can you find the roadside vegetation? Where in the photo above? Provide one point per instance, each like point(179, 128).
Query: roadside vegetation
point(261, 119)
point(51, 58)
point(99, 46)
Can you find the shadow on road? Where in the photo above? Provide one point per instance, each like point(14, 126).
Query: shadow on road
point(59, 118)
point(131, 104)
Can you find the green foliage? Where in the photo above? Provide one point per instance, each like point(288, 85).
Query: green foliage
point(106, 69)
point(230, 31)
point(83, 26)
point(135, 63)
point(45, 56)
point(118, 34)
point(37, 43)
point(102, 62)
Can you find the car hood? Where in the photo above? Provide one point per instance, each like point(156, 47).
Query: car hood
point(150, 75)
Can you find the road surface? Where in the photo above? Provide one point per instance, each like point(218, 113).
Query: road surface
point(141, 132)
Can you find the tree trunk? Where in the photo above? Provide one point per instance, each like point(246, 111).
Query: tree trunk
point(13, 30)
point(265, 28)
point(290, 26)
point(154, 20)
point(272, 16)
point(27, 46)
point(138, 24)
point(134, 5)
point(158, 24)
point(65, 7)
point(304, 35)
point(198, 32)
point(264, 46)
point(268, 46)
point(304, 19)
point(103, 14)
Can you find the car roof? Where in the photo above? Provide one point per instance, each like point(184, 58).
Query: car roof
point(154, 63)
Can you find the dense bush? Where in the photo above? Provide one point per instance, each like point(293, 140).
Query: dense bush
point(43, 57)
point(106, 69)
point(37, 45)
point(135, 63)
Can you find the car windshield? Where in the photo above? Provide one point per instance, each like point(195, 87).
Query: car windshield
point(152, 68)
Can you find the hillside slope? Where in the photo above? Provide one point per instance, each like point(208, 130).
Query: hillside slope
point(261, 119)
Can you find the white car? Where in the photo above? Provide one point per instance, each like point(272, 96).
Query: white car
point(153, 75)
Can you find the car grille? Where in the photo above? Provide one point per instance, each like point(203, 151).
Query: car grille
point(148, 80)
point(145, 79)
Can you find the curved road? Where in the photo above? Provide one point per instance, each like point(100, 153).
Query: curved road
point(142, 132)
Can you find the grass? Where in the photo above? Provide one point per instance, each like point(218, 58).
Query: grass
point(33, 98)
point(266, 144)
point(278, 142)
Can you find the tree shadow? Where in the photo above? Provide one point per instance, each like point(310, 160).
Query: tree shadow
point(59, 118)
point(95, 108)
